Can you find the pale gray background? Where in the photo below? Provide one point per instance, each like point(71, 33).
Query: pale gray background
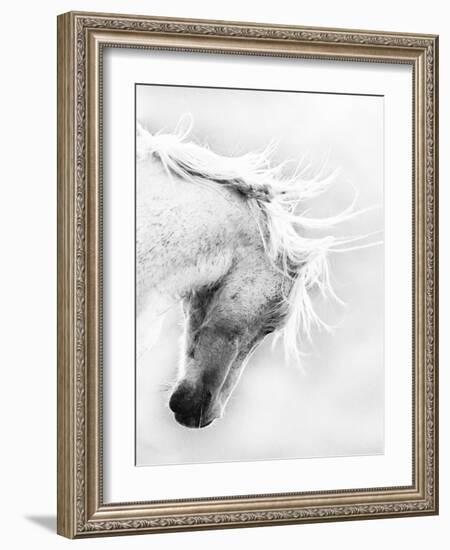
point(334, 406)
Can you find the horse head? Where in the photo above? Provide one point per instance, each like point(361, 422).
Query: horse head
point(264, 281)
point(224, 323)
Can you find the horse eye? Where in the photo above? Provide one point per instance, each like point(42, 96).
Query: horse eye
point(214, 287)
point(267, 330)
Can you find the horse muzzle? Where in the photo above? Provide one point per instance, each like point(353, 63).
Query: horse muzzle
point(193, 421)
point(191, 405)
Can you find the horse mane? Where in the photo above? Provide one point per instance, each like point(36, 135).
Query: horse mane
point(275, 200)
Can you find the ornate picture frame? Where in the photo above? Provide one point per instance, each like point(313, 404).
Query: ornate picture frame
point(82, 40)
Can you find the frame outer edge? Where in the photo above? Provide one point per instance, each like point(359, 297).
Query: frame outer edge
point(239, 23)
point(74, 261)
point(66, 524)
point(436, 269)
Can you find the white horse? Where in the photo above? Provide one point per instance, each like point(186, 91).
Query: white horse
point(225, 235)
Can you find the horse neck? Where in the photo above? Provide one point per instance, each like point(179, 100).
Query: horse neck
point(187, 234)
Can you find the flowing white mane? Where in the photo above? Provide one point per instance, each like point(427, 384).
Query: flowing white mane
point(276, 202)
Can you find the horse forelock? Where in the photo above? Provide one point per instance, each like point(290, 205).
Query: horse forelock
point(276, 201)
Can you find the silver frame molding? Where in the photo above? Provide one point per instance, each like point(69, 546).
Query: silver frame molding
point(81, 38)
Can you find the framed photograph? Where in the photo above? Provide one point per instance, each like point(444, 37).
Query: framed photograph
point(247, 274)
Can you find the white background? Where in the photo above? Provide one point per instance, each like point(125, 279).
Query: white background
point(123, 482)
point(333, 404)
point(28, 223)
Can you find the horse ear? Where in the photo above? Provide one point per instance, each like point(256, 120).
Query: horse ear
point(184, 126)
point(144, 142)
point(140, 130)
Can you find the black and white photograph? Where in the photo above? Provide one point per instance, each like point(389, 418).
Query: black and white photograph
point(259, 274)
point(224, 237)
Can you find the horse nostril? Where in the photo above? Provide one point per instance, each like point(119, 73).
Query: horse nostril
point(188, 400)
point(177, 402)
point(184, 398)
